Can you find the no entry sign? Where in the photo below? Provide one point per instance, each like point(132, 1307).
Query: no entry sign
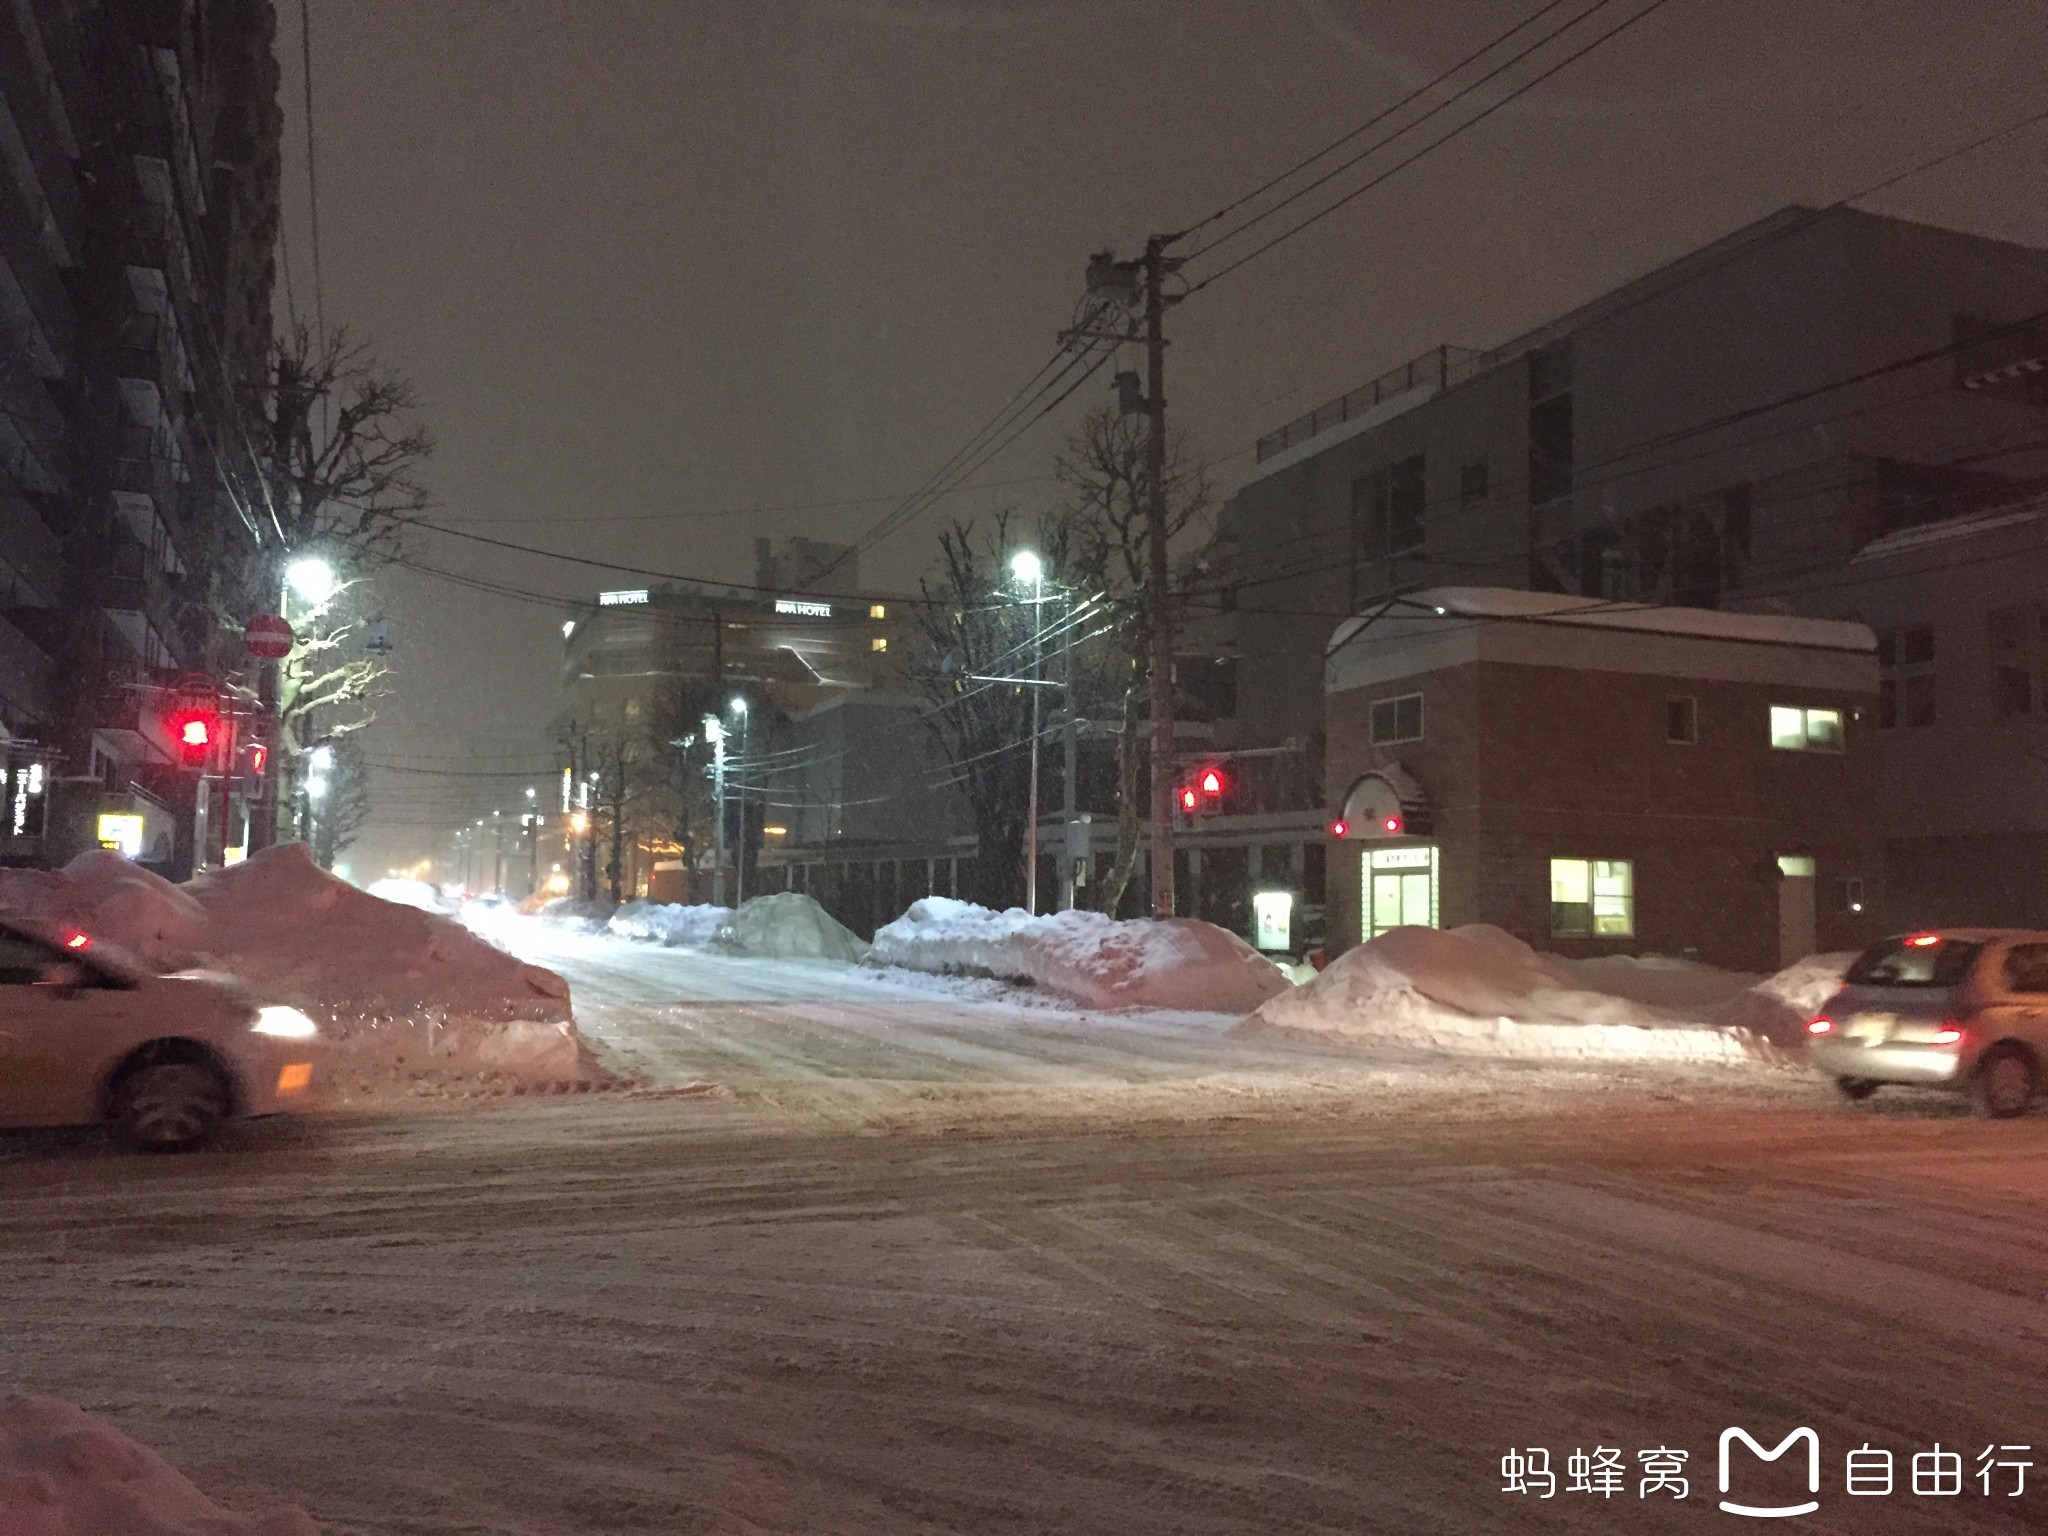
point(268, 636)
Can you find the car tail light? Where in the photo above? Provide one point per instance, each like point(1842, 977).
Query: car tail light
point(1819, 1024)
point(1924, 940)
point(1948, 1034)
point(76, 940)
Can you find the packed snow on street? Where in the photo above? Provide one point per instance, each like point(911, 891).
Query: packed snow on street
point(974, 1243)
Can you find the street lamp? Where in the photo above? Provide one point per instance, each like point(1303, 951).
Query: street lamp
point(312, 578)
point(1028, 568)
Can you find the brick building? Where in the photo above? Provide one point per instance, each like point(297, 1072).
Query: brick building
point(1601, 778)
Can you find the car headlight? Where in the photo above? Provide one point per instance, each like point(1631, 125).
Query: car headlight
point(284, 1023)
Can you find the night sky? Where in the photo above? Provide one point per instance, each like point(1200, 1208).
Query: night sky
point(655, 264)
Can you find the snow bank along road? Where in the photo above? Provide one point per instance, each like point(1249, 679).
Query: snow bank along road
point(989, 1269)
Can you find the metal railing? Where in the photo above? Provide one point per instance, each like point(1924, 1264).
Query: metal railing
point(1438, 368)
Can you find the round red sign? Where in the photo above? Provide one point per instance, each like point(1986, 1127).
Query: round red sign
point(268, 636)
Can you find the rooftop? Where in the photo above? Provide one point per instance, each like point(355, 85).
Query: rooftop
point(1511, 606)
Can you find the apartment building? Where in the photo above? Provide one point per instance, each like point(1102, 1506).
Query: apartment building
point(138, 212)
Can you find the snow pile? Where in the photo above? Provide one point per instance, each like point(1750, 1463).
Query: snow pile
point(65, 1473)
point(574, 912)
point(1777, 1009)
point(405, 996)
point(1097, 960)
point(789, 926)
point(412, 893)
point(658, 922)
point(1483, 991)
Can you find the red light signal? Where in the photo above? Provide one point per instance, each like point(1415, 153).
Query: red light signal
point(1392, 825)
point(1188, 800)
point(193, 732)
point(258, 758)
point(1339, 827)
point(1212, 782)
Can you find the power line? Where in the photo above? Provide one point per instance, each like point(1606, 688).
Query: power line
point(1448, 102)
point(1472, 122)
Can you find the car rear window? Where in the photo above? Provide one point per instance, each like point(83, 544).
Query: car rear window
point(1914, 962)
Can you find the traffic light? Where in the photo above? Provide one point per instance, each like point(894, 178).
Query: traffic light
point(255, 777)
point(1212, 783)
point(257, 758)
point(193, 731)
point(1189, 799)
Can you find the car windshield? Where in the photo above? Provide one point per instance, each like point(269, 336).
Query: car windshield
point(1924, 960)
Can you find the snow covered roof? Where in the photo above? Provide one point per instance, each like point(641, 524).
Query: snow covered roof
point(1509, 605)
point(1947, 529)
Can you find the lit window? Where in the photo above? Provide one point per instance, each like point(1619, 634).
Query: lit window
point(1397, 720)
point(1805, 730)
point(1592, 898)
point(878, 610)
point(879, 643)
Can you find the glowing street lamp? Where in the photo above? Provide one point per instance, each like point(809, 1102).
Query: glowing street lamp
point(312, 578)
point(1027, 567)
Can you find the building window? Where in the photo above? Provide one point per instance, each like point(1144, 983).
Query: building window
point(1905, 677)
point(878, 610)
point(1681, 720)
point(2014, 635)
point(1395, 720)
point(1805, 730)
point(1550, 422)
point(1592, 898)
point(1387, 510)
point(879, 643)
point(1472, 483)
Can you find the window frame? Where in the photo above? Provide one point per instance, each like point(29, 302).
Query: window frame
point(1393, 702)
point(1807, 742)
point(1593, 871)
point(1691, 738)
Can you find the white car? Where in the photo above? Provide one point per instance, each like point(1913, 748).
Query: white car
point(88, 1035)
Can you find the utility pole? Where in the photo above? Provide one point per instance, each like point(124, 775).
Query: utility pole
point(1160, 600)
point(714, 728)
point(1127, 283)
point(1069, 730)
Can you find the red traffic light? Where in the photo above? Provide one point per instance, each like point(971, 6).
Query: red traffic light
point(193, 731)
point(1188, 800)
point(258, 758)
point(1339, 827)
point(1212, 782)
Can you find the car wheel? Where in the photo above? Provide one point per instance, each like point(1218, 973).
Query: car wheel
point(1855, 1089)
point(2004, 1085)
point(174, 1106)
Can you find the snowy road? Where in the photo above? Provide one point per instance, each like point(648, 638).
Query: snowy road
point(930, 1262)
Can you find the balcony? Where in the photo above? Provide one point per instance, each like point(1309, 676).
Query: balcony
point(35, 296)
point(148, 347)
point(28, 546)
point(27, 677)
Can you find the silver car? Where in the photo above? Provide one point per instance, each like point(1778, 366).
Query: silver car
point(1960, 1008)
point(88, 1035)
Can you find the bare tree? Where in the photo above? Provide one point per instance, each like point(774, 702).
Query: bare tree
point(338, 453)
point(344, 805)
point(982, 727)
point(1105, 525)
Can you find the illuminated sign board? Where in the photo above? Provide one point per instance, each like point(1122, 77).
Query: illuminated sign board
point(1273, 919)
point(624, 598)
point(1401, 858)
point(803, 609)
point(123, 834)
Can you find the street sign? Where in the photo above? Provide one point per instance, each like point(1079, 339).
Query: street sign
point(268, 636)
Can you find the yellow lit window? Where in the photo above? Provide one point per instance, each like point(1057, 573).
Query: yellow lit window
point(879, 643)
point(1592, 898)
point(878, 610)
